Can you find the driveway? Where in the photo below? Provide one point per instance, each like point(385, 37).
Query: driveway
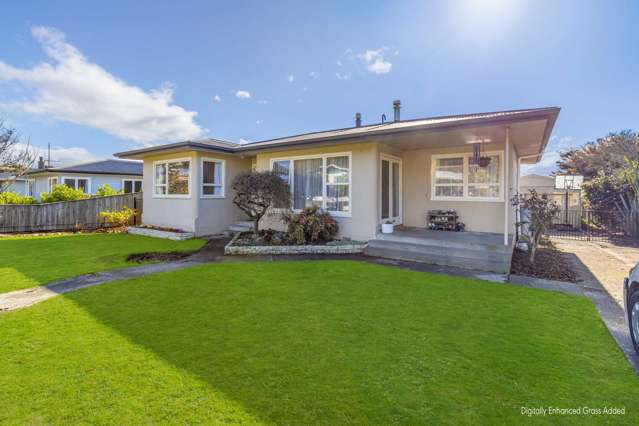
point(601, 264)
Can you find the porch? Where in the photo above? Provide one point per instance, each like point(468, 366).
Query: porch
point(482, 251)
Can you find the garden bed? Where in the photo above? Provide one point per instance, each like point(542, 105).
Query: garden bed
point(156, 232)
point(549, 264)
point(274, 242)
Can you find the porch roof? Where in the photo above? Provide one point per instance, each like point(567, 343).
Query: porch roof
point(532, 127)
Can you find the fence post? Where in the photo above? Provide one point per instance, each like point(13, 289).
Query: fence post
point(135, 208)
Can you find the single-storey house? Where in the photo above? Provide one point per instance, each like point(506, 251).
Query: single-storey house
point(118, 174)
point(10, 183)
point(365, 175)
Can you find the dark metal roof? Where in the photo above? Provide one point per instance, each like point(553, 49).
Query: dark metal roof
point(104, 167)
point(431, 123)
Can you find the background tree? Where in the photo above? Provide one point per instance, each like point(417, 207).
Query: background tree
point(256, 192)
point(538, 212)
point(16, 158)
point(609, 166)
point(604, 156)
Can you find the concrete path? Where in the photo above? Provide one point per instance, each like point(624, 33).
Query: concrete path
point(23, 298)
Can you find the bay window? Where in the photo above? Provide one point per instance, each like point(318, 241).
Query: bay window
point(457, 177)
point(212, 178)
point(172, 178)
point(323, 181)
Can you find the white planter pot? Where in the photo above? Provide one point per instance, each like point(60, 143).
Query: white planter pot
point(387, 228)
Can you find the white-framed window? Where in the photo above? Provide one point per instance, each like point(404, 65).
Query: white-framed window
point(82, 183)
point(213, 177)
point(30, 187)
point(320, 180)
point(131, 185)
point(52, 182)
point(172, 178)
point(455, 177)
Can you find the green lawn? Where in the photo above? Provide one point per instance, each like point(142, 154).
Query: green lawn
point(329, 342)
point(29, 261)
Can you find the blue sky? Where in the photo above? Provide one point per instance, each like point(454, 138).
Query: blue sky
point(93, 79)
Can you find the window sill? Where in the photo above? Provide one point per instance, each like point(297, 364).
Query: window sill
point(212, 197)
point(465, 199)
point(171, 196)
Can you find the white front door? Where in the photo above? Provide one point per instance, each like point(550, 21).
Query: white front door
point(390, 189)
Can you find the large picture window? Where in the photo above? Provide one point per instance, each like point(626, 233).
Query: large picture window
point(212, 178)
point(172, 178)
point(323, 181)
point(457, 177)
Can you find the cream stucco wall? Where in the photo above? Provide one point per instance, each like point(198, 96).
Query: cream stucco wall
point(480, 216)
point(214, 215)
point(169, 212)
point(362, 224)
point(210, 216)
point(204, 216)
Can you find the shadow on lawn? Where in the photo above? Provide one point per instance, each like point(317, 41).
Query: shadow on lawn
point(293, 343)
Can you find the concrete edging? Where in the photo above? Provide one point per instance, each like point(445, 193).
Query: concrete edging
point(156, 233)
point(353, 248)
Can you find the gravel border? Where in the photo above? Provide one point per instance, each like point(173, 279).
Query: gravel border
point(349, 248)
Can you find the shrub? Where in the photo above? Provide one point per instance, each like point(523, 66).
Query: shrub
point(256, 192)
point(62, 193)
point(540, 211)
point(106, 190)
point(13, 198)
point(118, 218)
point(311, 225)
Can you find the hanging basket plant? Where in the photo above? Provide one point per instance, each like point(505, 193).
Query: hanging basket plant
point(484, 161)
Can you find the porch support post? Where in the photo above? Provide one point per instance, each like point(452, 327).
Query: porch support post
point(506, 186)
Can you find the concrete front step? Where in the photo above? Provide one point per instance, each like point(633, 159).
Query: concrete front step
point(466, 242)
point(483, 259)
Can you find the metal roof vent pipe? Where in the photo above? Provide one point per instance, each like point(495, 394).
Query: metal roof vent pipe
point(358, 119)
point(396, 107)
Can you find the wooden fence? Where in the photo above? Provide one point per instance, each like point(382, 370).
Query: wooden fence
point(65, 215)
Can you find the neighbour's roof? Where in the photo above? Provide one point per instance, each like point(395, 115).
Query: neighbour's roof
point(103, 167)
point(431, 123)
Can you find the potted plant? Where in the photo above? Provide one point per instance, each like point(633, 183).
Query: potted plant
point(387, 227)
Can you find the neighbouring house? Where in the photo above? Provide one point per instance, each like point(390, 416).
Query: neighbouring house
point(546, 185)
point(122, 175)
point(9, 183)
point(365, 175)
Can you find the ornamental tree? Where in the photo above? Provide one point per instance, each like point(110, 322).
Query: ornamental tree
point(540, 211)
point(256, 192)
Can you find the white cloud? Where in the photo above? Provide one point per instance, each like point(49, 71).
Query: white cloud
point(290, 78)
point(258, 122)
point(343, 76)
point(242, 94)
point(73, 89)
point(375, 61)
point(339, 63)
point(548, 162)
point(313, 74)
point(217, 98)
point(244, 141)
point(263, 102)
point(64, 156)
